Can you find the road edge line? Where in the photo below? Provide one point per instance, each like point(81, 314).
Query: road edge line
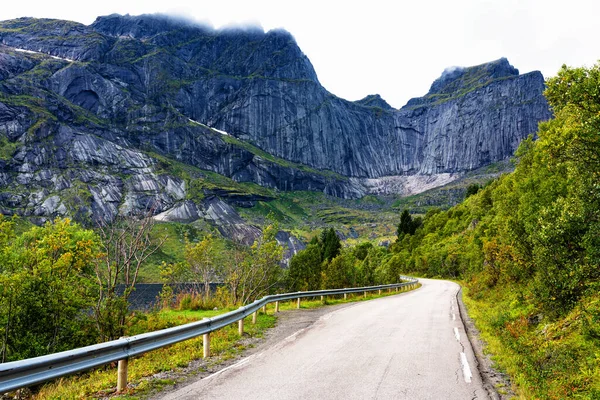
point(472, 334)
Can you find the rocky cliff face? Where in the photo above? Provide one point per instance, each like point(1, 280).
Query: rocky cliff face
point(459, 128)
point(137, 112)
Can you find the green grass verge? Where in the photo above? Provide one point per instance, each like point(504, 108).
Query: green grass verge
point(225, 344)
point(557, 359)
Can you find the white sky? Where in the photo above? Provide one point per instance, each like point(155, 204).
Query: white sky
point(394, 48)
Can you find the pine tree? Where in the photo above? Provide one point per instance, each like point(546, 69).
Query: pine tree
point(331, 245)
point(405, 225)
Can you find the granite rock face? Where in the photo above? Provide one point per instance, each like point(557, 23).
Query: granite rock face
point(446, 132)
point(99, 119)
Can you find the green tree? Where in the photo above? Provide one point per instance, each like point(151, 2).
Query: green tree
point(405, 225)
point(362, 250)
point(126, 245)
point(203, 262)
point(46, 288)
point(262, 271)
point(568, 151)
point(472, 189)
point(235, 267)
point(337, 273)
point(331, 244)
point(305, 269)
point(408, 225)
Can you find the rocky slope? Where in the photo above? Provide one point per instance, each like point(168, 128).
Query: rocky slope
point(132, 113)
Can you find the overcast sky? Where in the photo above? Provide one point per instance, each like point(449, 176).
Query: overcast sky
point(375, 46)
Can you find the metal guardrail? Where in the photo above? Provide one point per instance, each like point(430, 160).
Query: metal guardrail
point(18, 374)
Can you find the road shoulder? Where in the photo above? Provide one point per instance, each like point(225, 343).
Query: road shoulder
point(490, 377)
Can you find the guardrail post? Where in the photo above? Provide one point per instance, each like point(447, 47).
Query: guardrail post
point(254, 314)
point(365, 294)
point(265, 309)
point(396, 288)
point(206, 344)
point(276, 306)
point(345, 296)
point(122, 375)
point(241, 327)
point(380, 292)
point(322, 298)
point(298, 305)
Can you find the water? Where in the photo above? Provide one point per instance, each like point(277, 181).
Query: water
point(145, 295)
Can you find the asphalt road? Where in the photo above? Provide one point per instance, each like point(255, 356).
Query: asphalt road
point(408, 346)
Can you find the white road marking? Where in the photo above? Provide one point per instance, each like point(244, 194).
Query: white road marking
point(236, 365)
point(456, 334)
point(241, 363)
point(466, 369)
point(293, 336)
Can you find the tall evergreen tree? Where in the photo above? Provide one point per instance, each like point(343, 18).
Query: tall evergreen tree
point(407, 224)
point(472, 189)
point(331, 244)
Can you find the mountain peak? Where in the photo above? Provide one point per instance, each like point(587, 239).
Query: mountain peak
point(457, 81)
point(454, 78)
point(374, 100)
point(143, 26)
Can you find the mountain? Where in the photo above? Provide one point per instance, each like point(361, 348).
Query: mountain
point(139, 112)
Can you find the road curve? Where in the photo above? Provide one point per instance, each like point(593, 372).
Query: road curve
point(408, 346)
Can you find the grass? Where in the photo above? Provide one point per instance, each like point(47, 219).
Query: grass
point(305, 213)
point(225, 344)
point(8, 148)
point(36, 105)
point(547, 359)
point(285, 209)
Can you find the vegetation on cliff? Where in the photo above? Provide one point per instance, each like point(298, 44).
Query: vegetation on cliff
point(527, 247)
